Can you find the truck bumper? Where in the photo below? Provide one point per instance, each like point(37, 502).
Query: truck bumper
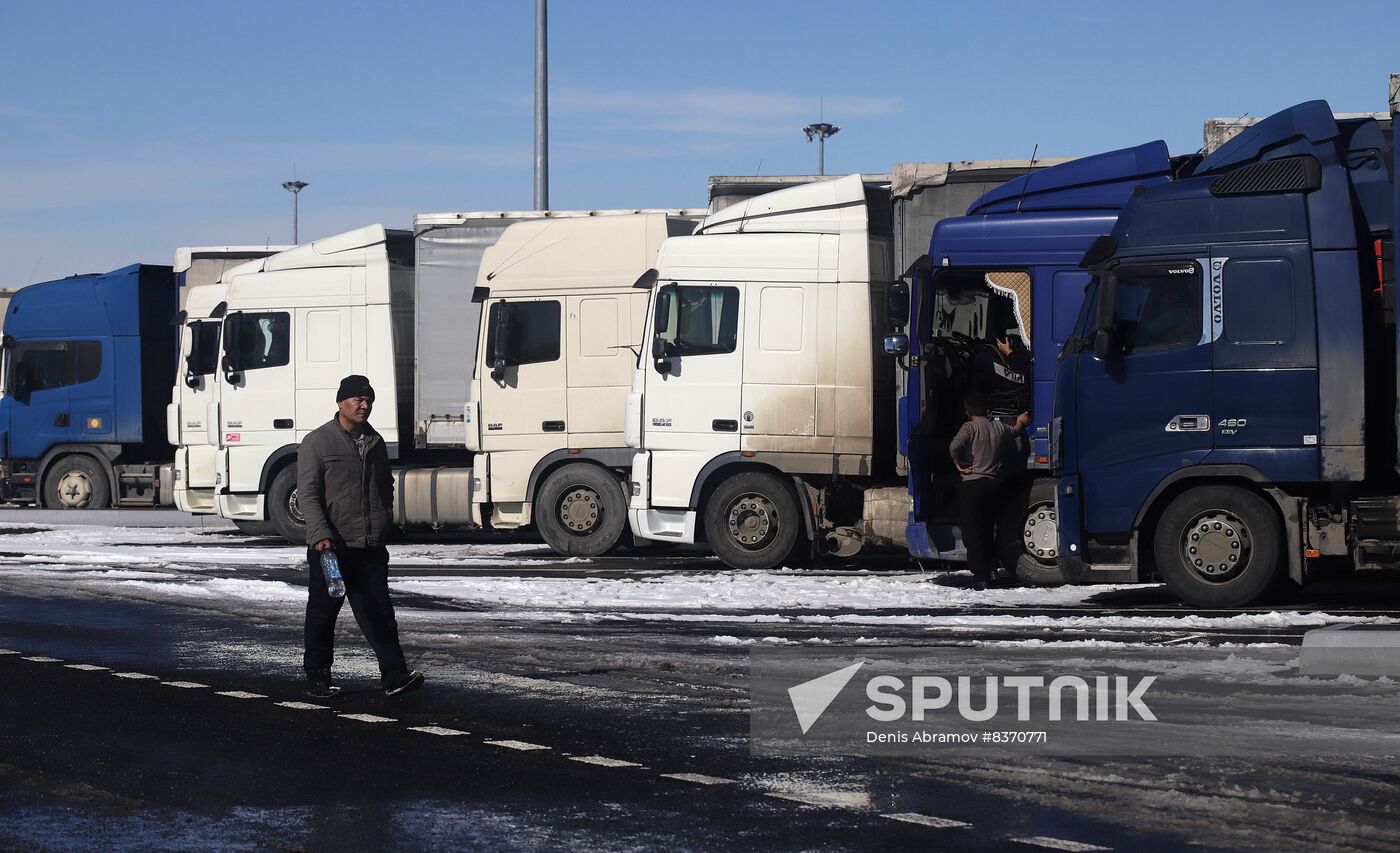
point(242, 507)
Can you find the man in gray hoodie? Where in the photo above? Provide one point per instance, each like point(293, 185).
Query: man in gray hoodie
point(981, 450)
point(345, 491)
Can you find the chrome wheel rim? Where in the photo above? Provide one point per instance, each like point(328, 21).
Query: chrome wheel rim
point(1041, 533)
point(75, 490)
point(752, 521)
point(580, 510)
point(293, 509)
point(1216, 545)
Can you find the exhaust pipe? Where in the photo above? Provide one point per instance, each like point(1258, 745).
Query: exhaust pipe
point(843, 542)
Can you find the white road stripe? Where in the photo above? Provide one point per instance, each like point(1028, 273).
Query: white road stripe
point(136, 675)
point(1059, 844)
point(826, 799)
point(436, 730)
point(304, 706)
point(186, 685)
point(42, 659)
point(241, 694)
point(926, 820)
point(699, 778)
point(602, 761)
point(368, 718)
point(521, 745)
point(8, 652)
point(85, 667)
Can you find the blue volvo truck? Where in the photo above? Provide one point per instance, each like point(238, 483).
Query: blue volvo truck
point(1225, 408)
point(87, 362)
point(1010, 263)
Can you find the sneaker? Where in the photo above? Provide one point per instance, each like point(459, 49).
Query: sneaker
point(318, 685)
point(979, 584)
point(406, 683)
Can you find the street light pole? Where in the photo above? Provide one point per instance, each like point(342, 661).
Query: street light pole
point(541, 105)
point(820, 132)
point(295, 188)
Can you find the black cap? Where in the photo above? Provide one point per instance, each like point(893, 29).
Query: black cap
point(355, 385)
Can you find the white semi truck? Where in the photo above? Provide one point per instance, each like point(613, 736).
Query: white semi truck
point(369, 302)
point(762, 409)
point(192, 411)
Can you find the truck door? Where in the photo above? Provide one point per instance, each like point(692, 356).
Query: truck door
point(691, 405)
point(1146, 409)
point(524, 408)
point(603, 334)
point(258, 400)
point(197, 385)
point(40, 384)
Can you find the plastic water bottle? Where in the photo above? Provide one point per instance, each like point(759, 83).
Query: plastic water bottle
point(335, 584)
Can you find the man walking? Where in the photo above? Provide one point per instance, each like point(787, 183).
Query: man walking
point(346, 494)
point(980, 450)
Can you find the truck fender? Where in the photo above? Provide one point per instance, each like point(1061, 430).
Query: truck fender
point(805, 494)
point(102, 453)
point(619, 458)
point(274, 464)
point(1290, 509)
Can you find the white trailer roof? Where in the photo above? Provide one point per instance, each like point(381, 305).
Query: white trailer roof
point(605, 252)
point(430, 219)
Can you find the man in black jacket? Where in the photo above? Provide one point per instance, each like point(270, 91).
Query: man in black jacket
point(346, 494)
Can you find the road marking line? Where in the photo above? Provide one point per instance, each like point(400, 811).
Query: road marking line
point(368, 718)
point(826, 799)
point(135, 675)
point(186, 685)
point(8, 652)
point(699, 778)
point(1186, 639)
point(304, 706)
point(523, 746)
point(85, 667)
point(42, 659)
point(601, 761)
point(1059, 844)
point(241, 694)
point(926, 820)
point(436, 730)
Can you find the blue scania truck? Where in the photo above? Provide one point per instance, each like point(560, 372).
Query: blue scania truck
point(87, 362)
point(1225, 407)
point(1011, 263)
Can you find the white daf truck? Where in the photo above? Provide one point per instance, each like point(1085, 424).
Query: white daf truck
point(367, 302)
point(195, 392)
point(762, 408)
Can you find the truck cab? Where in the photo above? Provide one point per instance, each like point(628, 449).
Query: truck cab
point(1008, 267)
point(80, 426)
point(1225, 408)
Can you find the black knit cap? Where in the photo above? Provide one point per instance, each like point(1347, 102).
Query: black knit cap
point(355, 385)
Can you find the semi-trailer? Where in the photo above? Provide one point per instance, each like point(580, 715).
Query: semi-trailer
point(1225, 407)
point(406, 310)
point(87, 361)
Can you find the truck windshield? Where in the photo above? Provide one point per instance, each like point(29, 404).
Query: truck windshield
point(204, 348)
point(1159, 307)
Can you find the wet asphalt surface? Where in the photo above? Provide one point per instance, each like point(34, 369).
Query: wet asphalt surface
point(89, 760)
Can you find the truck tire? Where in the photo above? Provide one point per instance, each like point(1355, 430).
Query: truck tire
point(581, 510)
point(752, 521)
point(1219, 546)
point(282, 506)
point(255, 528)
point(76, 482)
point(1027, 537)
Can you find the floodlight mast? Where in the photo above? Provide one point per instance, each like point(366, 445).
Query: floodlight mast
point(820, 132)
point(295, 188)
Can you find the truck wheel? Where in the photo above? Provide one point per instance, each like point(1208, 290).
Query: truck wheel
point(751, 521)
point(282, 506)
point(1219, 546)
point(76, 482)
point(255, 528)
point(1028, 535)
point(581, 510)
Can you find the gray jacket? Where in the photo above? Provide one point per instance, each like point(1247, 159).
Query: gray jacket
point(343, 498)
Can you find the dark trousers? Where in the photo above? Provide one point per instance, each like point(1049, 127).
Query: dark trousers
point(366, 573)
point(977, 506)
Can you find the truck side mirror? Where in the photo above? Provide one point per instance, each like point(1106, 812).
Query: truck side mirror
point(660, 353)
point(191, 381)
point(897, 305)
point(897, 345)
point(1105, 345)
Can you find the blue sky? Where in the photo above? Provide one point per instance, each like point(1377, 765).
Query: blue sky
point(127, 129)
